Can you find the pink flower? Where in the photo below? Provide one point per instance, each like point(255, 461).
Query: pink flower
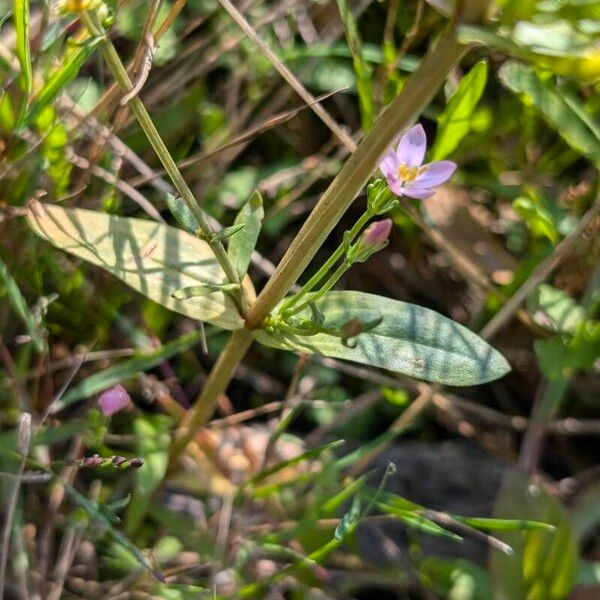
point(113, 400)
point(377, 233)
point(404, 169)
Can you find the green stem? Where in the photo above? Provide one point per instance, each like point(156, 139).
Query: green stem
point(335, 277)
point(316, 278)
point(418, 90)
point(141, 114)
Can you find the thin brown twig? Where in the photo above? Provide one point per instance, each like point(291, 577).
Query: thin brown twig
point(291, 79)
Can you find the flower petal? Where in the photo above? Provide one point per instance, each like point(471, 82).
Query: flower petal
point(389, 165)
point(418, 193)
point(113, 400)
point(396, 187)
point(435, 173)
point(412, 146)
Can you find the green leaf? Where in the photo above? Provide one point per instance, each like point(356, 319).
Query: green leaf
point(554, 309)
point(557, 47)
point(349, 521)
point(551, 104)
point(243, 244)
point(152, 258)
point(20, 306)
point(153, 441)
point(64, 75)
point(486, 524)
point(227, 233)
point(21, 21)
point(413, 519)
point(131, 367)
point(454, 123)
point(543, 564)
point(361, 67)
point(538, 219)
point(561, 355)
point(183, 214)
point(411, 340)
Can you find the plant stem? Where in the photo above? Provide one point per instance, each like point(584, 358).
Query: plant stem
point(316, 278)
point(335, 277)
point(418, 91)
point(214, 386)
point(141, 114)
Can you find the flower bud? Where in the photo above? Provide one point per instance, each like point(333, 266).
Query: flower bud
point(377, 233)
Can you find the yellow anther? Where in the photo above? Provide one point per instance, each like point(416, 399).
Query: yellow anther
point(408, 174)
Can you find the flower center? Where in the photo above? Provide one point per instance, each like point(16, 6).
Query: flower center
point(408, 174)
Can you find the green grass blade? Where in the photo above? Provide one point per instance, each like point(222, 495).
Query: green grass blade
point(454, 122)
point(361, 68)
point(20, 306)
point(128, 368)
point(64, 75)
point(21, 21)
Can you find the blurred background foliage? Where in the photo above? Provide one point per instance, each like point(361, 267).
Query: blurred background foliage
point(253, 510)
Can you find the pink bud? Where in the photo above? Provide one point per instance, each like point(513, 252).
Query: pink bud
point(377, 233)
point(113, 400)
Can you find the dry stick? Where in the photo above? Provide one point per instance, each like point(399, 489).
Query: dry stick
point(540, 273)
point(292, 80)
point(420, 88)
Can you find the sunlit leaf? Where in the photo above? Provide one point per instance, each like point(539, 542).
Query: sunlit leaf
point(152, 258)
point(454, 123)
point(411, 340)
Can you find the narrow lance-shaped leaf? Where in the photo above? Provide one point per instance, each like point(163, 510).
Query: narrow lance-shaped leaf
point(154, 259)
point(64, 75)
point(454, 122)
point(410, 339)
point(21, 21)
point(243, 243)
point(544, 96)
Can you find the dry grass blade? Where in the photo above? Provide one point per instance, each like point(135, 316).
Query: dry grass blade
point(292, 80)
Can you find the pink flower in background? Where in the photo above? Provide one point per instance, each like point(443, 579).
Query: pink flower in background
point(113, 400)
point(404, 169)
